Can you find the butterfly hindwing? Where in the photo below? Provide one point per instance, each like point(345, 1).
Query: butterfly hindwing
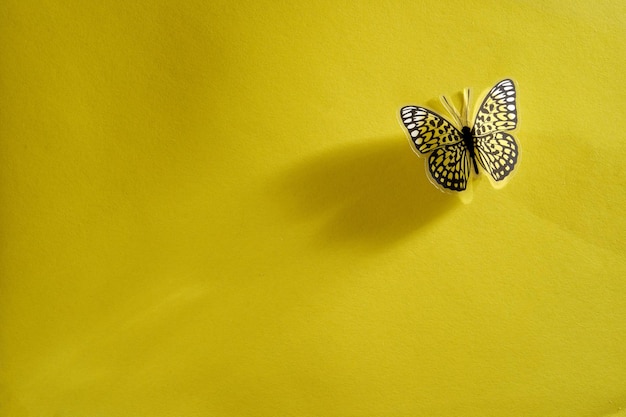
point(497, 153)
point(498, 111)
point(449, 166)
point(427, 129)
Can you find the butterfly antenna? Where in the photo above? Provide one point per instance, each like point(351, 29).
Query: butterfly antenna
point(465, 110)
point(450, 108)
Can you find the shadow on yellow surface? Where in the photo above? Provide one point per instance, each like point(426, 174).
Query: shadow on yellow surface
point(375, 192)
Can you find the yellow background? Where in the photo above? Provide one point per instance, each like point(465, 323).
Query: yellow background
point(209, 208)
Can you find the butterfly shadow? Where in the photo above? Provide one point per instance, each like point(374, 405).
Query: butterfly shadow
point(374, 193)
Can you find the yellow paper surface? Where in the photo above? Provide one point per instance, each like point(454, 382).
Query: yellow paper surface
point(209, 208)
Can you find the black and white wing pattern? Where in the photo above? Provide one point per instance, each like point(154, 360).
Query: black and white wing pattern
point(448, 164)
point(427, 129)
point(498, 111)
point(497, 151)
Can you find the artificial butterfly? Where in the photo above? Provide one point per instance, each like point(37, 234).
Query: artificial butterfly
point(456, 147)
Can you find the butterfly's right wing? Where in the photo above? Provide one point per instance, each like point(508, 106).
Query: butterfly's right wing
point(427, 129)
point(497, 150)
point(497, 153)
point(498, 111)
point(448, 164)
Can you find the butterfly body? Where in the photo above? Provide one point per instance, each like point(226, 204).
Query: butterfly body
point(450, 147)
point(468, 140)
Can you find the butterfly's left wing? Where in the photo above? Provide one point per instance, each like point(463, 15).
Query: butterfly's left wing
point(497, 151)
point(448, 163)
point(449, 167)
point(427, 129)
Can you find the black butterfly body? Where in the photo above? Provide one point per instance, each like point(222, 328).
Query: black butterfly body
point(485, 143)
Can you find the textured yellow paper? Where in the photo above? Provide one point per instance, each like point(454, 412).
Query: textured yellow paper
point(208, 208)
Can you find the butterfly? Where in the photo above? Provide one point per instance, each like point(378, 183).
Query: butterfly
point(456, 148)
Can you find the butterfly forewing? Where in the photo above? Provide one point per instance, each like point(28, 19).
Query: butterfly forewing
point(497, 153)
point(428, 130)
point(449, 166)
point(498, 111)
